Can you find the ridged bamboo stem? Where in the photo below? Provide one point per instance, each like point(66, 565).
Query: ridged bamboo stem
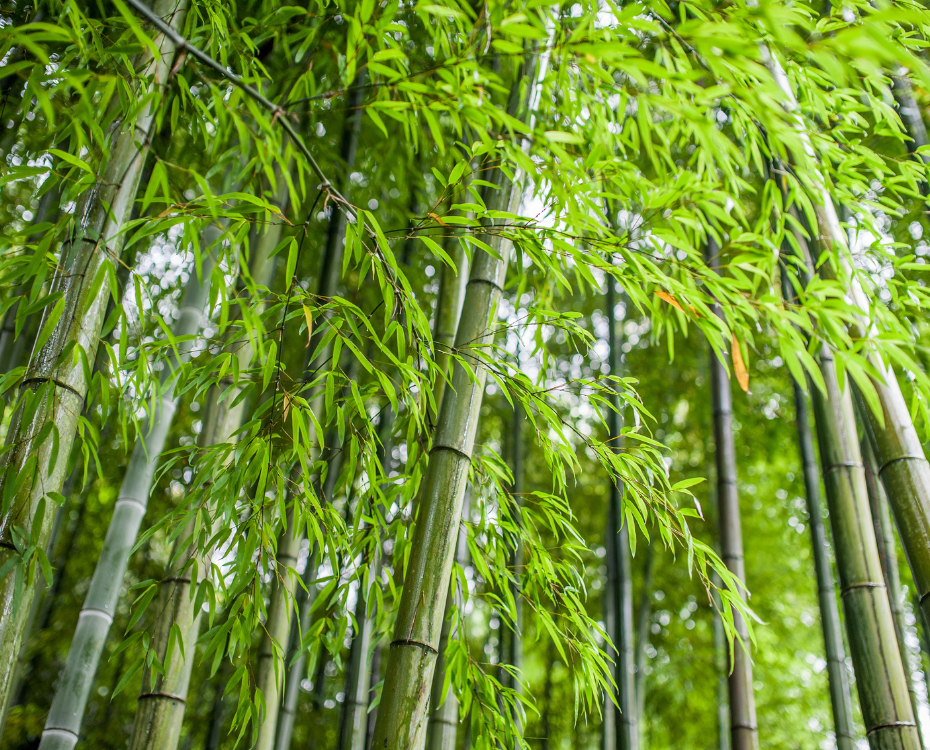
point(620, 589)
point(442, 729)
point(880, 675)
point(59, 388)
point(888, 557)
point(880, 678)
point(354, 720)
point(160, 713)
point(743, 726)
point(271, 668)
point(837, 676)
point(62, 727)
point(402, 715)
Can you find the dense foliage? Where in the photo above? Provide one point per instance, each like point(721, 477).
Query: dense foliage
point(327, 175)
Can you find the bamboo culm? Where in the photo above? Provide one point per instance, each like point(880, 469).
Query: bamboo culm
point(888, 557)
point(905, 475)
point(402, 715)
point(621, 588)
point(160, 712)
point(743, 728)
point(274, 644)
point(62, 727)
point(880, 679)
point(442, 728)
point(837, 676)
point(57, 385)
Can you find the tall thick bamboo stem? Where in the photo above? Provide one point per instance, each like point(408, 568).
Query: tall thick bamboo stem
point(160, 713)
point(888, 557)
point(837, 676)
point(402, 718)
point(625, 718)
point(880, 676)
point(743, 727)
point(442, 730)
point(271, 669)
point(905, 475)
point(63, 724)
point(57, 385)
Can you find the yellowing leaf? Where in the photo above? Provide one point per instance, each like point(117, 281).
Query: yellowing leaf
point(437, 219)
point(308, 316)
point(739, 367)
point(670, 299)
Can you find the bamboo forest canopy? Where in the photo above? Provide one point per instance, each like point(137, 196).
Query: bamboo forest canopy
point(363, 365)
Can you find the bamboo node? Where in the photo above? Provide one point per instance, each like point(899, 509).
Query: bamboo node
point(410, 642)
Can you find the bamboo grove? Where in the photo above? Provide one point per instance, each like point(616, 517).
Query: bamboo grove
point(364, 364)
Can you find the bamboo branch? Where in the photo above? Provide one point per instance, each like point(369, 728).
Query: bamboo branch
point(279, 114)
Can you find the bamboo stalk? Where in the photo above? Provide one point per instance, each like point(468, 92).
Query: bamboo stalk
point(880, 679)
point(625, 716)
point(63, 724)
point(743, 727)
point(837, 676)
point(160, 713)
point(887, 555)
point(57, 386)
point(642, 636)
point(442, 730)
point(402, 717)
point(720, 662)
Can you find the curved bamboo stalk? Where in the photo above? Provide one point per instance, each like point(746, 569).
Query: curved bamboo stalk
point(57, 387)
point(160, 713)
point(63, 724)
point(837, 676)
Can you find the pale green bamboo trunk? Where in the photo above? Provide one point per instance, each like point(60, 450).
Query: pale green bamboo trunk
point(512, 651)
point(620, 589)
point(271, 669)
point(160, 713)
point(888, 557)
point(402, 714)
point(62, 727)
point(442, 729)
point(60, 388)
